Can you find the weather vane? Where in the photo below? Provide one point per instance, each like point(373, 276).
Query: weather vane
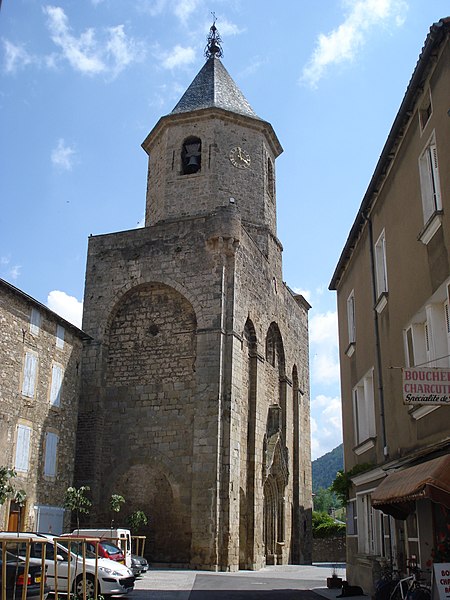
point(213, 47)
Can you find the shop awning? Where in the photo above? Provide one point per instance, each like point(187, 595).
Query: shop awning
point(397, 493)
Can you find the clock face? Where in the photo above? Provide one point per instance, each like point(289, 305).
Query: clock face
point(239, 158)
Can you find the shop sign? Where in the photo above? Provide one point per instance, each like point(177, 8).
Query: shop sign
point(425, 386)
point(442, 581)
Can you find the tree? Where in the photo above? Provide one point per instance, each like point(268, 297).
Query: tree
point(343, 482)
point(325, 500)
point(136, 519)
point(6, 487)
point(77, 502)
point(115, 504)
point(325, 526)
point(7, 490)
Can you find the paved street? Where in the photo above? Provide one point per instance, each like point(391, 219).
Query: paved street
point(277, 583)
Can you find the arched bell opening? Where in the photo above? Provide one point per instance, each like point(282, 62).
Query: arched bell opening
point(191, 155)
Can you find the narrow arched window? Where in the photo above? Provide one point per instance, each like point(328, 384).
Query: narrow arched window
point(270, 178)
point(191, 155)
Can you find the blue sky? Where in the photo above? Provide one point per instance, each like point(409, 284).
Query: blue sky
point(82, 84)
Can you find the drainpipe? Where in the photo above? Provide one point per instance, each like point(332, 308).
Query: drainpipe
point(378, 361)
point(377, 338)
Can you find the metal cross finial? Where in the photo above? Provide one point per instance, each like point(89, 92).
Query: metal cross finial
point(213, 47)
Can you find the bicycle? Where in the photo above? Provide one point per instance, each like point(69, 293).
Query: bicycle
point(411, 587)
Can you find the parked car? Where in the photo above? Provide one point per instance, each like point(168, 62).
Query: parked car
point(15, 578)
point(139, 564)
point(105, 548)
point(118, 536)
point(113, 578)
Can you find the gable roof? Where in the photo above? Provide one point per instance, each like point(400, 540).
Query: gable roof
point(438, 32)
point(213, 87)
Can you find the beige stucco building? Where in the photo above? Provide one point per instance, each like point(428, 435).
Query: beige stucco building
point(40, 355)
point(195, 385)
point(393, 291)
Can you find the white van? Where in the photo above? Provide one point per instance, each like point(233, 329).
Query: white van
point(119, 537)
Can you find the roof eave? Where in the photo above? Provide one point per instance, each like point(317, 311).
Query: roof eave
point(253, 122)
point(434, 38)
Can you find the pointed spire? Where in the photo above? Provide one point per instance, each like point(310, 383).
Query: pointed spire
point(213, 47)
point(213, 86)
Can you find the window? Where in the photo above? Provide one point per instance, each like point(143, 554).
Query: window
point(35, 321)
point(29, 374)
point(369, 526)
point(271, 348)
point(51, 447)
point(352, 518)
point(191, 155)
point(60, 337)
point(270, 178)
point(363, 409)
point(55, 389)
point(22, 448)
point(427, 343)
point(425, 111)
point(380, 265)
point(429, 180)
point(351, 318)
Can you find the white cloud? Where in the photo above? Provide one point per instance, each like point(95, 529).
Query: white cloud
point(305, 293)
point(66, 306)
point(326, 424)
point(16, 57)
point(342, 44)
point(179, 56)
point(151, 7)
point(63, 155)
point(183, 9)
point(9, 272)
point(323, 336)
point(226, 27)
point(323, 328)
point(91, 52)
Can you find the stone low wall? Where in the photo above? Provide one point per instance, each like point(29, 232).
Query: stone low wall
point(331, 549)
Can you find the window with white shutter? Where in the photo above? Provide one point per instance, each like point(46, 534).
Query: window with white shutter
point(380, 265)
point(363, 409)
point(35, 321)
point(51, 447)
point(429, 180)
point(55, 389)
point(22, 458)
point(351, 318)
point(29, 374)
point(60, 337)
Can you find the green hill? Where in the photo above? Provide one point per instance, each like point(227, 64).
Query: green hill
point(324, 469)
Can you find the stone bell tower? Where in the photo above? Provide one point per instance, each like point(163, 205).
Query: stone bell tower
point(195, 399)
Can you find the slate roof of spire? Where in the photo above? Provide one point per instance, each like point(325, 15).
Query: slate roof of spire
point(213, 87)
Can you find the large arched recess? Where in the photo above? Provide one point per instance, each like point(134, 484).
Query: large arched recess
point(149, 355)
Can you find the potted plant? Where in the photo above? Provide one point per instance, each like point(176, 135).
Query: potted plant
point(334, 581)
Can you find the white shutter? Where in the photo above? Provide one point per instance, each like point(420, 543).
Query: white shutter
point(60, 336)
point(29, 375)
point(351, 318)
point(435, 177)
point(35, 321)
point(22, 448)
point(51, 445)
point(380, 265)
point(55, 390)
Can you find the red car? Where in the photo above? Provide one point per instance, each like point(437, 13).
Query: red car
point(105, 548)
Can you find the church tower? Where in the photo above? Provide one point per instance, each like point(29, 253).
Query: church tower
point(195, 387)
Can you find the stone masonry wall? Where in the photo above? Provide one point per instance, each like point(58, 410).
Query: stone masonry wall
point(172, 196)
point(35, 410)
